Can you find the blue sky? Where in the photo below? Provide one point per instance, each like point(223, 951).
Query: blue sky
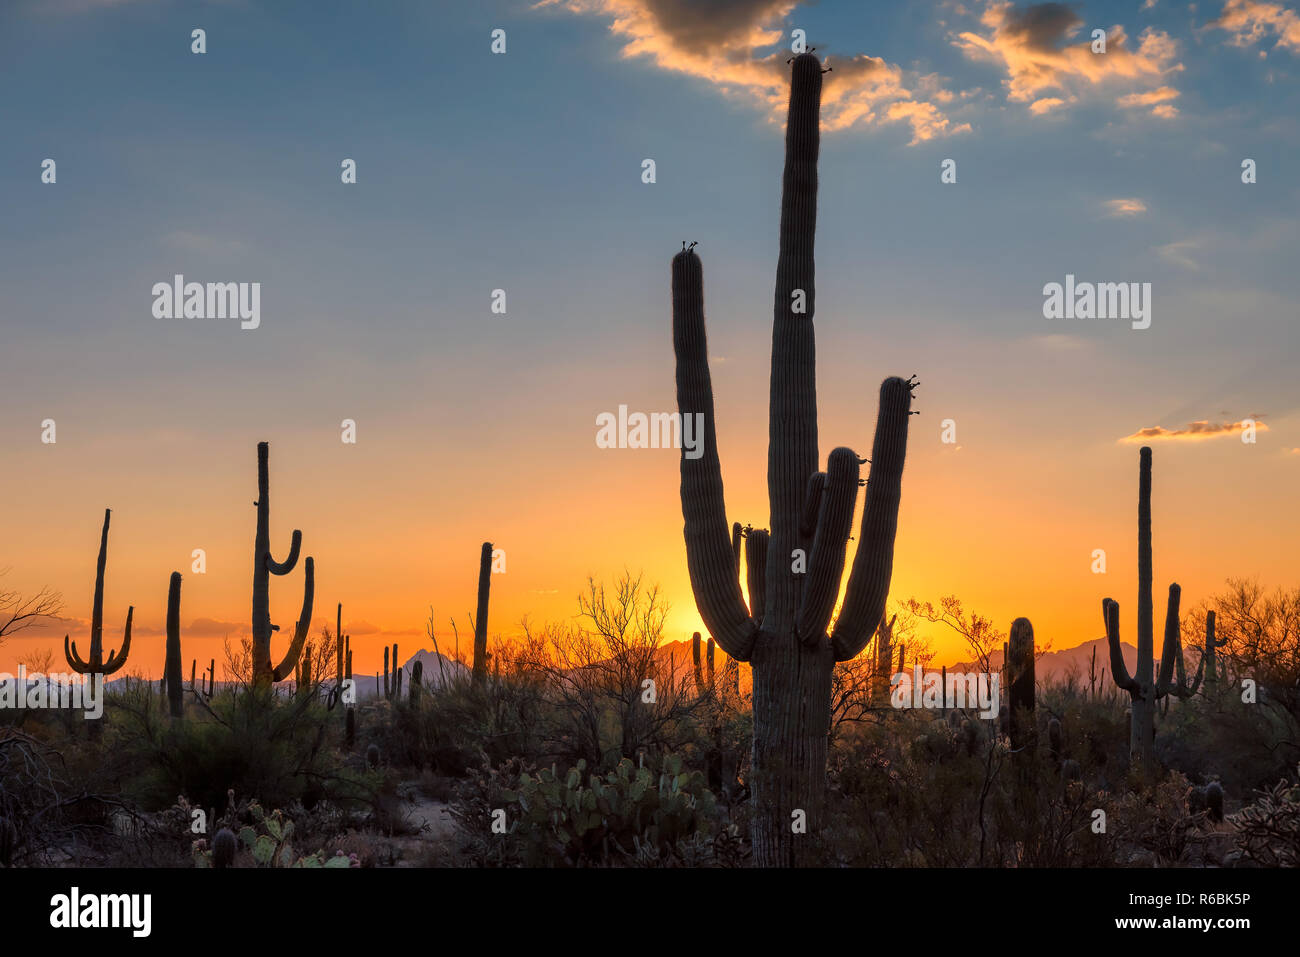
point(522, 171)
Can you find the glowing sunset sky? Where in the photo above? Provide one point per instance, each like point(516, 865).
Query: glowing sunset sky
point(522, 172)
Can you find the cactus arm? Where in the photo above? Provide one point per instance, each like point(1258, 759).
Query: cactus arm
point(118, 658)
point(1171, 652)
point(812, 504)
point(285, 668)
point(868, 588)
point(826, 562)
point(756, 543)
point(709, 559)
point(792, 404)
point(1118, 670)
point(286, 566)
point(74, 660)
point(736, 534)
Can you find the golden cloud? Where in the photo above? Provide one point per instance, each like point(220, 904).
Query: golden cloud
point(1034, 46)
point(723, 42)
point(1250, 21)
point(1193, 431)
point(1125, 207)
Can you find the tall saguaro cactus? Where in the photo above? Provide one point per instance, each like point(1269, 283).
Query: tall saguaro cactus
point(264, 566)
point(1019, 669)
point(783, 634)
point(95, 664)
point(481, 617)
point(1145, 688)
point(172, 665)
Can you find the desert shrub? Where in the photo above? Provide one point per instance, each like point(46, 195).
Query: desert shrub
point(631, 815)
point(1268, 830)
point(247, 740)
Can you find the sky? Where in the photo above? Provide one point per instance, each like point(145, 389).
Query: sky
point(522, 171)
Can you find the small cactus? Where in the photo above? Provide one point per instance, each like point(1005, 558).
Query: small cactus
point(417, 674)
point(372, 756)
point(1214, 800)
point(1054, 738)
point(224, 844)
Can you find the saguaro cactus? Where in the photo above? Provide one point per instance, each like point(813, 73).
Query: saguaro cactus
point(264, 566)
point(1210, 657)
point(417, 675)
point(1143, 687)
point(387, 692)
point(95, 664)
point(212, 676)
point(481, 616)
point(1020, 684)
point(172, 665)
point(783, 633)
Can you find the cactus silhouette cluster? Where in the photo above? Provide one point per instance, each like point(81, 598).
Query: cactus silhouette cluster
point(783, 632)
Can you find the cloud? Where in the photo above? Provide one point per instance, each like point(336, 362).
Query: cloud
point(1193, 431)
point(1034, 45)
point(1157, 99)
point(211, 627)
point(361, 628)
point(1046, 105)
point(1177, 253)
point(1125, 207)
point(723, 42)
point(1250, 21)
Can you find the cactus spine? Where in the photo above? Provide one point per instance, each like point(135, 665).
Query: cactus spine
point(172, 666)
point(481, 617)
point(264, 566)
point(1143, 687)
point(783, 632)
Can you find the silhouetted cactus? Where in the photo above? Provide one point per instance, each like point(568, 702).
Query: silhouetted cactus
point(212, 676)
point(194, 675)
point(95, 663)
point(698, 664)
point(1054, 739)
point(338, 646)
point(481, 616)
point(398, 674)
point(417, 675)
point(224, 845)
point(264, 566)
point(372, 756)
point(172, 664)
point(783, 631)
point(1210, 657)
point(387, 693)
point(1020, 688)
point(1143, 688)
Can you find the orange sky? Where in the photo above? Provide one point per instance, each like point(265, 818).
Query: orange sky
point(1005, 527)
